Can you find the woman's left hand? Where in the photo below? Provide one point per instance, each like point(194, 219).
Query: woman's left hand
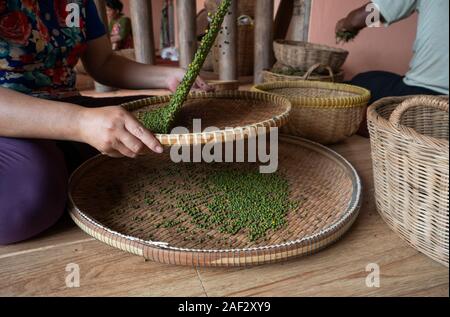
point(175, 78)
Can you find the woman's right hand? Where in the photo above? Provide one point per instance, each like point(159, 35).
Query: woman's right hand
point(116, 133)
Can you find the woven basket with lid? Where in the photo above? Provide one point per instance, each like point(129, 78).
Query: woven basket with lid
point(410, 149)
point(323, 112)
point(303, 55)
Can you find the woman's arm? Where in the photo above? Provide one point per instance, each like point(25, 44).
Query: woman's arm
point(112, 70)
point(355, 20)
point(111, 130)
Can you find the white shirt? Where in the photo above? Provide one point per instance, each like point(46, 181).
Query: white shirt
point(429, 67)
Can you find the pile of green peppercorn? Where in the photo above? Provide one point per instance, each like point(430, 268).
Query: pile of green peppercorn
point(161, 120)
point(230, 201)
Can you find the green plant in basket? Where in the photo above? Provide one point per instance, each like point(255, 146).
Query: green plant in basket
point(161, 120)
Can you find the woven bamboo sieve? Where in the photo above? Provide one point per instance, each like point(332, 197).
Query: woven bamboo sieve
point(245, 54)
point(236, 114)
point(326, 113)
point(410, 150)
point(274, 76)
point(106, 197)
point(303, 55)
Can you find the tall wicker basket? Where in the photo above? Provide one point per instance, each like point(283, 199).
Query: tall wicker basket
point(410, 145)
point(326, 113)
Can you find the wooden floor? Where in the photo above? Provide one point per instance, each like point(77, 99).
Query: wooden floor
point(38, 267)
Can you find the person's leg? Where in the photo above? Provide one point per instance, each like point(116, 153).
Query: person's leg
point(384, 84)
point(33, 188)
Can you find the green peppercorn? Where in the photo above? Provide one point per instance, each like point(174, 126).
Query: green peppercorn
point(161, 120)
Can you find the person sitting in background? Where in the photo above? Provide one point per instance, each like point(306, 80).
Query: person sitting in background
point(119, 26)
point(43, 118)
point(429, 68)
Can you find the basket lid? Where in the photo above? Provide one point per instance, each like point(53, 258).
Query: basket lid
point(318, 94)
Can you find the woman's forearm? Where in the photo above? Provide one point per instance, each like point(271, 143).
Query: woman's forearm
point(22, 116)
point(120, 72)
point(124, 73)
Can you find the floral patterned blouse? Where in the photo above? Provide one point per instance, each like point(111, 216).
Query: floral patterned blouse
point(39, 48)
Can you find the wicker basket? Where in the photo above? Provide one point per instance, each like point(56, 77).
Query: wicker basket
point(323, 112)
point(411, 166)
point(303, 55)
point(271, 76)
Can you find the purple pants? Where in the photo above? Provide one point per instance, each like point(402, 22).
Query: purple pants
point(34, 177)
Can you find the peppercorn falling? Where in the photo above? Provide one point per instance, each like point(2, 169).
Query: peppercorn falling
point(161, 120)
point(345, 36)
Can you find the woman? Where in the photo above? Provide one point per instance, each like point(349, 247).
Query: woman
point(40, 43)
point(119, 26)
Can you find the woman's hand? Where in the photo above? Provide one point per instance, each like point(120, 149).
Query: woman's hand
point(116, 133)
point(345, 25)
point(176, 76)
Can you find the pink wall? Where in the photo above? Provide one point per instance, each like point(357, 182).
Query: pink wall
point(382, 48)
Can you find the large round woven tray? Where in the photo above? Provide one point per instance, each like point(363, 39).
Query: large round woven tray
point(235, 115)
point(107, 201)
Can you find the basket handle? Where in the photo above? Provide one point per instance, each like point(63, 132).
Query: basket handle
point(314, 67)
point(421, 101)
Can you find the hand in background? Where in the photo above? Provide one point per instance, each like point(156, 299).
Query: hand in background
point(176, 77)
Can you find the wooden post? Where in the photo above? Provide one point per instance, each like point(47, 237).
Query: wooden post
point(283, 19)
point(228, 41)
point(187, 33)
point(142, 23)
point(101, 8)
point(263, 37)
point(300, 20)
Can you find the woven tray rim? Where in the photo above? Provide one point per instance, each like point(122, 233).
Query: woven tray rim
point(380, 122)
point(346, 219)
point(311, 46)
point(220, 135)
point(361, 100)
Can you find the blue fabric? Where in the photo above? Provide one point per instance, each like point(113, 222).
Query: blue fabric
point(39, 50)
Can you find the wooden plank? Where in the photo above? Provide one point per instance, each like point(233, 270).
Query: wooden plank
point(65, 232)
point(228, 45)
point(142, 24)
point(104, 271)
point(187, 33)
point(263, 37)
